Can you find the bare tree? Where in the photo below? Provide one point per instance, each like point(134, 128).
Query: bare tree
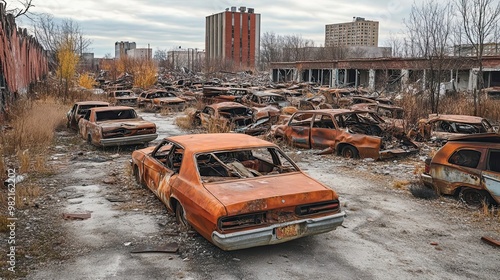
point(270, 48)
point(479, 20)
point(18, 11)
point(429, 27)
point(161, 57)
point(52, 35)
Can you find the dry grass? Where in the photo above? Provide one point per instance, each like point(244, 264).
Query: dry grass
point(218, 126)
point(184, 122)
point(400, 184)
point(3, 223)
point(26, 195)
point(417, 107)
point(33, 125)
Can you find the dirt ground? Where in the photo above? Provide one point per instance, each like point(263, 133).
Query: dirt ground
point(387, 234)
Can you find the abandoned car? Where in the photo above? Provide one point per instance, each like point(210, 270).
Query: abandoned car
point(265, 98)
point(349, 133)
point(225, 115)
point(236, 190)
point(438, 128)
point(221, 94)
point(79, 109)
point(158, 99)
point(123, 97)
point(116, 126)
point(468, 167)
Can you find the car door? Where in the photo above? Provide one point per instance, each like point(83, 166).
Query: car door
point(461, 170)
point(156, 166)
point(323, 132)
point(491, 176)
point(298, 130)
point(83, 124)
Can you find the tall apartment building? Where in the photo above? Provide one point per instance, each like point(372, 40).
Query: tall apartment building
point(359, 32)
point(121, 48)
point(233, 37)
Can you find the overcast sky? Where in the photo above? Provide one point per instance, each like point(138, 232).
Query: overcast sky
point(168, 24)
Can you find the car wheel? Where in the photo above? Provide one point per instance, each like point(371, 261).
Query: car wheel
point(349, 152)
point(180, 216)
point(473, 197)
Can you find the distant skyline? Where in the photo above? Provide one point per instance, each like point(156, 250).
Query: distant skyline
point(169, 24)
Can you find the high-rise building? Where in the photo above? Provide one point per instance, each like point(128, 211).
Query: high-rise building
point(121, 48)
point(359, 32)
point(233, 37)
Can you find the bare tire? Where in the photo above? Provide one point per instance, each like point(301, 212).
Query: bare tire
point(180, 216)
point(349, 152)
point(474, 197)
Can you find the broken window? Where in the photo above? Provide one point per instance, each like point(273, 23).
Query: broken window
point(494, 161)
point(466, 158)
point(301, 119)
point(115, 115)
point(248, 163)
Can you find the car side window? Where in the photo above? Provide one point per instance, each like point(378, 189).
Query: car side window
point(175, 158)
point(301, 119)
point(87, 115)
point(466, 158)
point(494, 161)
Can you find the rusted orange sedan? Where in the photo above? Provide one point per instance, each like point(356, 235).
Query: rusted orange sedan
point(236, 190)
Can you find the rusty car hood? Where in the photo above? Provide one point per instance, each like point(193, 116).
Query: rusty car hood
point(269, 192)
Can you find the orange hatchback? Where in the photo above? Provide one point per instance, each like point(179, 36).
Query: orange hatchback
point(467, 166)
point(236, 190)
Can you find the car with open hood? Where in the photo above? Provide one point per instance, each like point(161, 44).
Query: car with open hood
point(468, 167)
point(116, 126)
point(236, 190)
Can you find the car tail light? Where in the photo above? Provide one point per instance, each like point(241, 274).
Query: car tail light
point(241, 221)
point(326, 206)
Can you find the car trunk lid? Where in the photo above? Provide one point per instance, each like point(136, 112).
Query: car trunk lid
point(270, 192)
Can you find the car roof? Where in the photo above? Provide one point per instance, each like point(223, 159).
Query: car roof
point(227, 104)
point(111, 108)
point(333, 111)
point(92, 103)
point(456, 118)
point(490, 138)
point(218, 141)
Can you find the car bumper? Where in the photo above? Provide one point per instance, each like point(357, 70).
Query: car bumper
point(267, 235)
point(426, 179)
point(128, 140)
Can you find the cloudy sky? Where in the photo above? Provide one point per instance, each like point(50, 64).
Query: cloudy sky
point(168, 24)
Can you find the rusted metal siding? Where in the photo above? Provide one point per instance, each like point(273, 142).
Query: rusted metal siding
point(22, 59)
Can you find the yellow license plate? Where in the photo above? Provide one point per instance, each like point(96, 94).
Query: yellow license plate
point(287, 231)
